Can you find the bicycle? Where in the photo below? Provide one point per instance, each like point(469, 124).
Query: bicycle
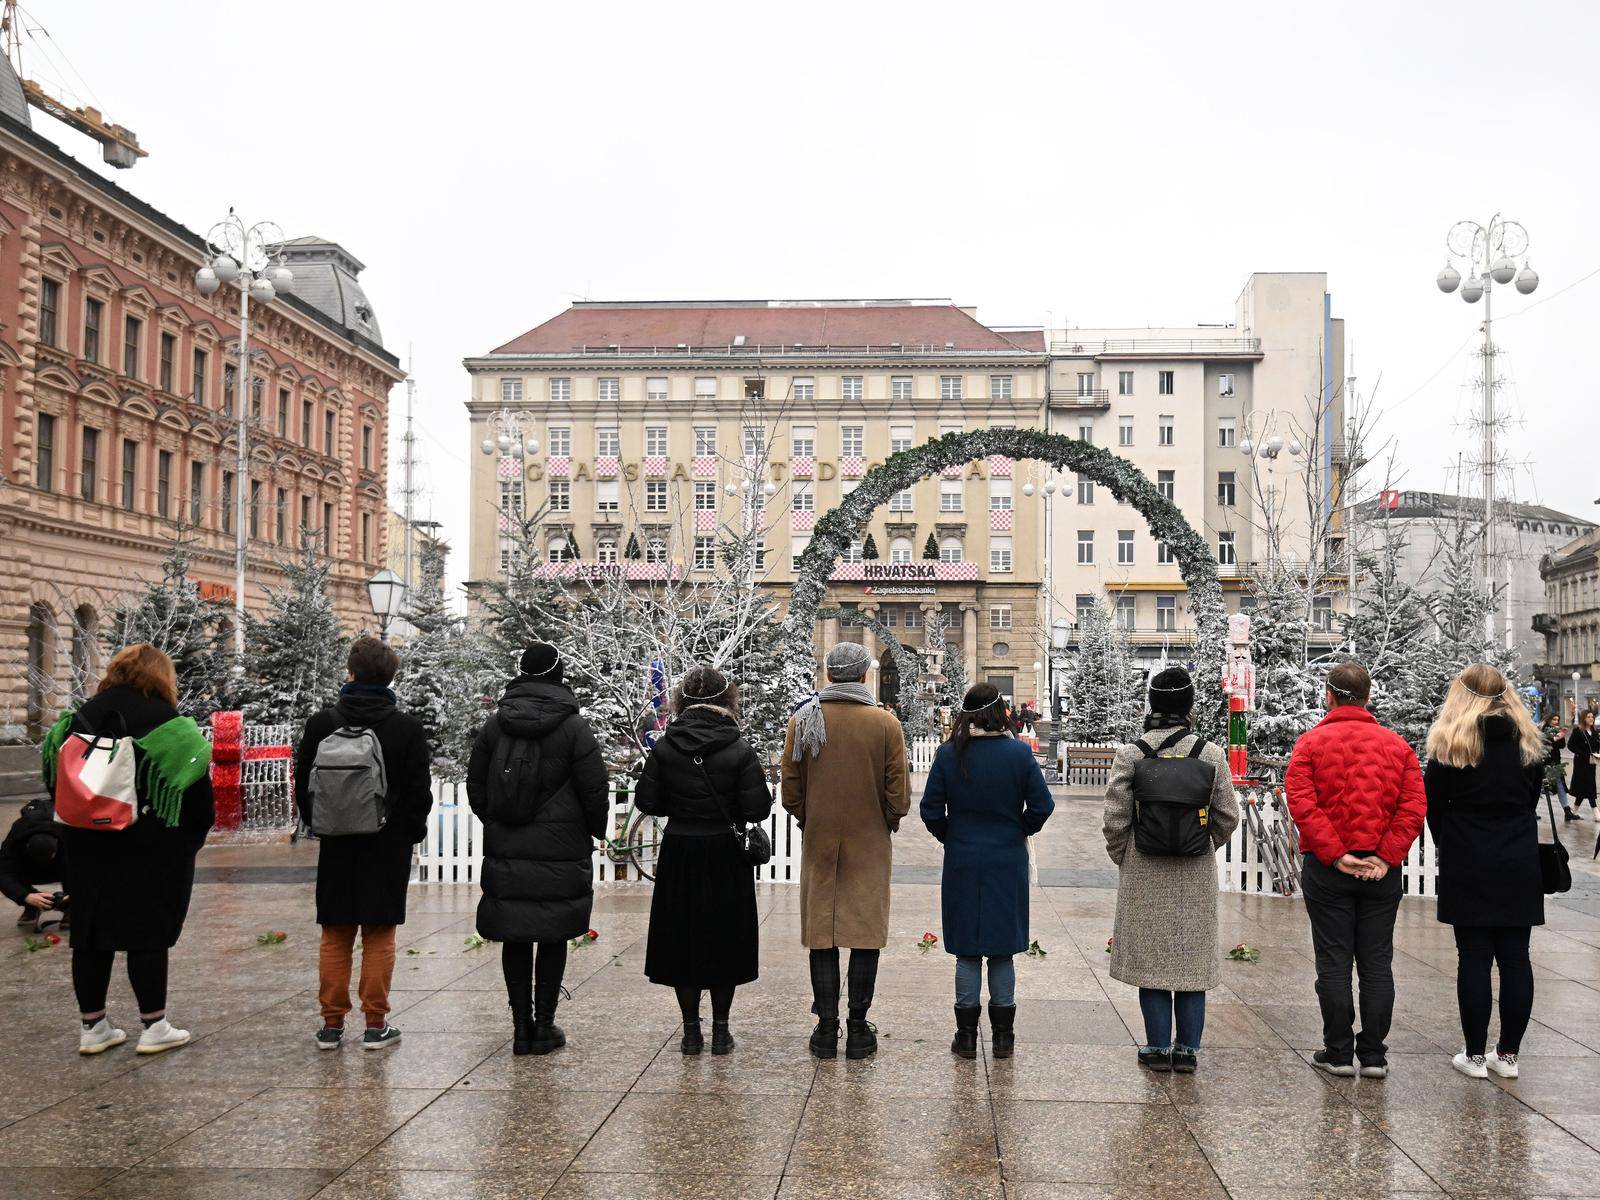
point(639, 843)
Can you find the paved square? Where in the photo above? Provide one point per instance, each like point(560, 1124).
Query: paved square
point(252, 1111)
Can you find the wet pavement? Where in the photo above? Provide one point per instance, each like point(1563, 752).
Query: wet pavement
point(252, 1111)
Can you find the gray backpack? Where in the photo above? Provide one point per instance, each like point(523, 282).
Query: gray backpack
point(349, 788)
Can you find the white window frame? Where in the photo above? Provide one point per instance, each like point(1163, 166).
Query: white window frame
point(705, 441)
point(705, 387)
point(655, 439)
point(607, 441)
point(951, 550)
point(705, 553)
point(802, 441)
point(901, 550)
point(1164, 553)
point(1167, 484)
point(1125, 613)
point(754, 440)
point(951, 495)
point(852, 440)
point(1085, 547)
point(1085, 490)
point(1085, 383)
point(901, 437)
point(1227, 432)
point(852, 387)
point(1000, 618)
point(999, 494)
point(608, 391)
point(560, 496)
point(559, 438)
point(605, 551)
point(1227, 549)
point(655, 389)
point(1166, 614)
point(655, 550)
point(1166, 427)
point(607, 495)
point(1228, 489)
point(560, 390)
point(511, 391)
point(803, 388)
point(900, 387)
point(1001, 387)
point(802, 498)
point(1124, 547)
point(1166, 383)
point(1225, 383)
point(655, 495)
point(1124, 383)
point(950, 387)
point(901, 501)
point(1124, 431)
point(1000, 555)
point(1086, 432)
point(705, 496)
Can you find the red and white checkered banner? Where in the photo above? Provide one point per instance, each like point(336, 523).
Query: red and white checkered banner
point(630, 570)
point(852, 466)
point(1000, 520)
point(558, 468)
point(656, 466)
point(607, 466)
point(802, 520)
point(917, 572)
point(705, 520)
point(803, 467)
point(705, 466)
point(999, 466)
point(953, 472)
point(510, 467)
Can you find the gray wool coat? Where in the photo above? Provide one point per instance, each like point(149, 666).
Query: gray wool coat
point(1165, 935)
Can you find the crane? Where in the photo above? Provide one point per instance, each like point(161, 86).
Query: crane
point(119, 146)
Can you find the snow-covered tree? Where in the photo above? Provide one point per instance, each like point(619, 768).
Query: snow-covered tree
point(1100, 686)
point(294, 658)
point(954, 666)
point(171, 615)
point(1389, 632)
point(1288, 688)
point(443, 680)
point(522, 605)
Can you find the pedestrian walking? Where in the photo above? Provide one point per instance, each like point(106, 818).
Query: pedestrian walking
point(1355, 791)
point(845, 783)
point(704, 778)
point(1555, 767)
point(129, 779)
point(33, 859)
point(537, 781)
point(364, 787)
point(1169, 804)
point(1485, 773)
point(984, 798)
point(1585, 745)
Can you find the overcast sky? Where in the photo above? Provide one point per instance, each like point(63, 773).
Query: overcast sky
point(1107, 164)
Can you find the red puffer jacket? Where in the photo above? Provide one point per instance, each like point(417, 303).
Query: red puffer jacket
point(1354, 785)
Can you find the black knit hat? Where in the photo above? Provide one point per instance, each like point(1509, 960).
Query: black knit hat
point(542, 661)
point(1172, 692)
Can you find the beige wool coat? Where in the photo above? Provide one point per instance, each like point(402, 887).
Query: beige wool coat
point(1165, 935)
point(847, 800)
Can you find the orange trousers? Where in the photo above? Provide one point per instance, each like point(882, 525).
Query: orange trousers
point(377, 971)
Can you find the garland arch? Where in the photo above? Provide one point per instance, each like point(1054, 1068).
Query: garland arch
point(836, 529)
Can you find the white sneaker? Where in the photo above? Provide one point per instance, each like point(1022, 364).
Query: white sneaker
point(163, 1035)
point(1471, 1065)
point(99, 1037)
point(1503, 1065)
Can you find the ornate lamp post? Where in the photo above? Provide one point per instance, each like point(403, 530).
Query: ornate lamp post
point(252, 257)
point(1490, 253)
point(387, 593)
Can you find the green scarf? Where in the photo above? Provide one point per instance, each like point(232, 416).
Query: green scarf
point(174, 756)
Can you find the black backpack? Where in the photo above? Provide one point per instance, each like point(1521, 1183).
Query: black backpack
point(1172, 800)
point(512, 791)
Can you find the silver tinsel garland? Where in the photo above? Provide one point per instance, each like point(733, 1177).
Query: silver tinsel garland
point(835, 530)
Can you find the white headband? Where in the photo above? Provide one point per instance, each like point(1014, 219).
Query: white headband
point(551, 667)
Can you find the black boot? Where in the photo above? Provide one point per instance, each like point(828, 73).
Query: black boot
point(693, 1040)
point(965, 1044)
point(546, 1035)
point(521, 1027)
point(721, 1038)
point(1002, 1023)
point(825, 1038)
point(861, 1038)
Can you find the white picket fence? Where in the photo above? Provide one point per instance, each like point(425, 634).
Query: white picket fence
point(1243, 866)
point(453, 850)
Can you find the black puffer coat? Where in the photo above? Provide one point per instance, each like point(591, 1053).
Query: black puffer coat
point(130, 889)
point(537, 879)
point(362, 879)
point(1485, 821)
point(18, 878)
point(672, 786)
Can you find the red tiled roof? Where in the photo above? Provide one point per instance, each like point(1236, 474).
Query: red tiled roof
point(1028, 339)
point(911, 325)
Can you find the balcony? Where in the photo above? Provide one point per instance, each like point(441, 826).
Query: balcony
point(1220, 347)
point(1076, 398)
point(1546, 623)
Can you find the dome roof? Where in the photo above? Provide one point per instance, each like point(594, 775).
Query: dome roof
point(325, 278)
point(12, 100)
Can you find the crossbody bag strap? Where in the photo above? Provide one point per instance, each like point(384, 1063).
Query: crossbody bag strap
point(736, 827)
point(1555, 835)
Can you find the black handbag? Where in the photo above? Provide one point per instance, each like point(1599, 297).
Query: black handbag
point(1553, 868)
point(753, 841)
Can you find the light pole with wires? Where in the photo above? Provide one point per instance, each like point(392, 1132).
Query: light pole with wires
point(252, 257)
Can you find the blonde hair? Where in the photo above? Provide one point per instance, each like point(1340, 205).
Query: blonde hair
point(1456, 738)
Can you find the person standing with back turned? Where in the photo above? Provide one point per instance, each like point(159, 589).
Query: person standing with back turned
point(1355, 791)
point(1485, 773)
point(537, 781)
point(364, 786)
point(845, 784)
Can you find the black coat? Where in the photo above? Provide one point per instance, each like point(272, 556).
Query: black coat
point(538, 881)
point(672, 786)
point(1584, 744)
point(130, 889)
point(1485, 822)
point(362, 879)
point(18, 876)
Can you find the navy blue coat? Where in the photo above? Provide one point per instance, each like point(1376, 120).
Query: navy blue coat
point(984, 821)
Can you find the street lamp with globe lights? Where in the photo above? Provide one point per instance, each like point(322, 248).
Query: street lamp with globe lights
point(1492, 253)
point(252, 258)
point(512, 442)
point(387, 593)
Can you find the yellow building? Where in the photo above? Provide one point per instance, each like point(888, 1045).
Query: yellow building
point(645, 417)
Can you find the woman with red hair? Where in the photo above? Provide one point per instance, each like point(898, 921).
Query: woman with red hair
point(130, 886)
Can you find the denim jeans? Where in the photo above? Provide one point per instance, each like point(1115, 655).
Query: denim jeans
point(1159, 1008)
point(1002, 981)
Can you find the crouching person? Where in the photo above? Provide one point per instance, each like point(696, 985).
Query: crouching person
point(32, 860)
point(363, 784)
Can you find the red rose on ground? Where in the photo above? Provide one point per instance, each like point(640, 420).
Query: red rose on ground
point(53, 938)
